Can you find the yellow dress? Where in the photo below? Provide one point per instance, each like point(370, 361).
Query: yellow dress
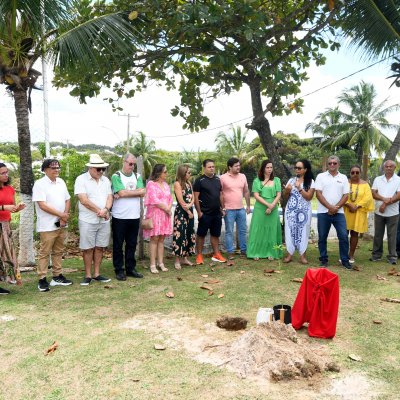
point(361, 196)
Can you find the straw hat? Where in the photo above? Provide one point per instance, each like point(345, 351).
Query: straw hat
point(96, 161)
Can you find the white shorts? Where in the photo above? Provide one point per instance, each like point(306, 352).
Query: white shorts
point(93, 235)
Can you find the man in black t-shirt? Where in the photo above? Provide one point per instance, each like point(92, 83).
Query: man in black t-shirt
point(207, 200)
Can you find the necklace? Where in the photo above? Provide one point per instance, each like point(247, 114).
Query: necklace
point(353, 199)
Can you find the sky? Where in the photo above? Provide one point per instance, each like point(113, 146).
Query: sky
point(95, 122)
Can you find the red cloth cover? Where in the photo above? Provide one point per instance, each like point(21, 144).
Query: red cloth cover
point(317, 303)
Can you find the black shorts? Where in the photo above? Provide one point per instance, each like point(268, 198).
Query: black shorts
point(210, 222)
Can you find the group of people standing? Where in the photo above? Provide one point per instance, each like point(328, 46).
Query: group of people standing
point(342, 202)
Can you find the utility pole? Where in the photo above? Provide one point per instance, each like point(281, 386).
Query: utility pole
point(129, 116)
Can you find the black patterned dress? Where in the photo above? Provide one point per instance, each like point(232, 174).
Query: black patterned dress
point(184, 238)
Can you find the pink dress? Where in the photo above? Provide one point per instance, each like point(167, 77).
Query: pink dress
point(161, 220)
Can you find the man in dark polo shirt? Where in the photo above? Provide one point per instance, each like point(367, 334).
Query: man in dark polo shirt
point(207, 200)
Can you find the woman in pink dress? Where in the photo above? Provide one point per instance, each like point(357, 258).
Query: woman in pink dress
point(158, 201)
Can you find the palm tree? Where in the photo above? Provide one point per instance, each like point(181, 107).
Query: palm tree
point(360, 126)
point(146, 148)
point(30, 29)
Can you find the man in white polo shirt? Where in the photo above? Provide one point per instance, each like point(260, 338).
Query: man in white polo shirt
point(52, 203)
point(95, 201)
point(385, 191)
point(234, 188)
point(128, 188)
point(332, 190)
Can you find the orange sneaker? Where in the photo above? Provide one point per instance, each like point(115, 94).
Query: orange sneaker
point(199, 259)
point(218, 258)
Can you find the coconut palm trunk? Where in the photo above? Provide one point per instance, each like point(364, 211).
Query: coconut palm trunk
point(26, 254)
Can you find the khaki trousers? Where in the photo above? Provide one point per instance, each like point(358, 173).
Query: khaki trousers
point(51, 243)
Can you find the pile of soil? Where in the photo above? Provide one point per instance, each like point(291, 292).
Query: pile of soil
point(274, 351)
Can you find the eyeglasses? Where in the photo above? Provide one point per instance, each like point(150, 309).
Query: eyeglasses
point(131, 164)
point(332, 163)
point(298, 167)
point(55, 167)
point(100, 169)
point(354, 172)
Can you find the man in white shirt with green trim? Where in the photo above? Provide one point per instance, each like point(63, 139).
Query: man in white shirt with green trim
point(128, 188)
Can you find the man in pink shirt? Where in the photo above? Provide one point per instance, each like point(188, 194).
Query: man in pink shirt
point(234, 188)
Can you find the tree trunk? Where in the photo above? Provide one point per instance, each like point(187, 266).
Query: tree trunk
point(261, 125)
point(365, 162)
point(394, 149)
point(26, 251)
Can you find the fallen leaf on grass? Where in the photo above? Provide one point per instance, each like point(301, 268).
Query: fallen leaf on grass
point(159, 347)
point(265, 274)
point(170, 294)
point(389, 300)
point(356, 268)
point(178, 278)
point(212, 269)
point(242, 272)
point(377, 322)
point(298, 280)
point(272, 271)
point(212, 281)
point(392, 271)
point(212, 265)
point(381, 278)
point(220, 296)
point(108, 287)
point(231, 258)
point(210, 293)
point(230, 263)
point(135, 380)
point(205, 287)
point(355, 357)
point(205, 276)
point(52, 348)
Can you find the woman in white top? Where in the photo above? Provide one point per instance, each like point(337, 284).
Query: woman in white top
point(298, 213)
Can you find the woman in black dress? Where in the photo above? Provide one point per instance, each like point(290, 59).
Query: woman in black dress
point(184, 239)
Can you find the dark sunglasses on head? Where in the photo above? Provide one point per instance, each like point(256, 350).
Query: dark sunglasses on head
point(298, 167)
point(332, 163)
point(100, 169)
point(355, 172)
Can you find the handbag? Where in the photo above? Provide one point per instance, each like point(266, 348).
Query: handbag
point(147, 223)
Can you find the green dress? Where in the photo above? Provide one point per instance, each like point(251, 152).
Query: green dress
point(265, 229)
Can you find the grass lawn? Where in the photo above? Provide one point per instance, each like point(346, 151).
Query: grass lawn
point(99, 358)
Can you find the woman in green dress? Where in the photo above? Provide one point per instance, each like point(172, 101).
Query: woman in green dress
point(265, 236)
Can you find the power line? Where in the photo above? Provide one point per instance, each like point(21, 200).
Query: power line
point(289, 102)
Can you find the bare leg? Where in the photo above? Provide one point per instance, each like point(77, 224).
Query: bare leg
point(199, 244)
point(160, 253)
point(98, 257)
point(353, 243)
point(153, 252)
point(87, 261)
point(215, 244)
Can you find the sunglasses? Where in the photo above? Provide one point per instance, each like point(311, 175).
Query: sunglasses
point(131, 164)
point(55, 167)
point(332, 163)
point(298, 167)
point(100, 169)
point(354, 172)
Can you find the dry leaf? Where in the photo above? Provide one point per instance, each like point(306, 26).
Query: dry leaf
point(298, 280)
point(210, 292)
point(355, 357)
point(212, 265)
point(356, 268)
point(205, 276)
point(267, 274)
point(392, 271)
point(108, 287)
point(377, 322)
point(135, 380)
point(205, 287)
point(229, 264)
point(220, 296)
point(159, 347)
point(170, 294)
point(272, 271)
point(178, 278)
point(242, 272)
point(212, 269)
point(389, 300)
point(231, 258)
point(52, 348)
point(381, 278)
point(212, 281)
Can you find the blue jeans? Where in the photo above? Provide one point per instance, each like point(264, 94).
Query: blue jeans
point(324, 224)
point(238, 216)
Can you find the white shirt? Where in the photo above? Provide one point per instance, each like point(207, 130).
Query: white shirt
point(55, 194)
point(97, 192)
point(386, 188)
point(333, 188)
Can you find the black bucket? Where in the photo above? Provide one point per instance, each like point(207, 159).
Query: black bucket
point(288, 313)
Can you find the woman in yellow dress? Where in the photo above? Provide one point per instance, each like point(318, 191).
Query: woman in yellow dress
point(356, 209)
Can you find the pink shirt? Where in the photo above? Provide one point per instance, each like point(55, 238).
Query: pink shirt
point(233, 189)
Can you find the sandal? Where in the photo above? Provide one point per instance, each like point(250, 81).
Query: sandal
point(153, 269)
point(270, 258)
point(178, 266)
point(303, 260)
point(162, 267)
point(287, 259)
